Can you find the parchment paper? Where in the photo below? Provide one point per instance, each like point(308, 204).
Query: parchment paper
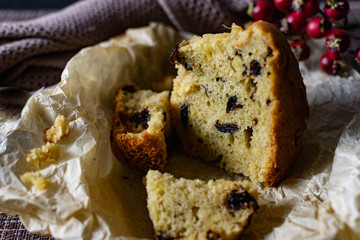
point(93, 196)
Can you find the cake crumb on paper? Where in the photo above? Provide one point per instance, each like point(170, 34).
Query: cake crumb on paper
point(36, 179)
point(44, 156)
point(59, 130)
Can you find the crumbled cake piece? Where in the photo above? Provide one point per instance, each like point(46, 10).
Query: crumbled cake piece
point(193, 209)
point(59, 130)
point(140, 126)
point(48, 154)
point(36, 179)
point(239, 98)
point(44, 156)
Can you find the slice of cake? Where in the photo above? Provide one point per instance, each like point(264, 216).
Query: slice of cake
point(193, 209)
point(140, 125)
point(239, 98)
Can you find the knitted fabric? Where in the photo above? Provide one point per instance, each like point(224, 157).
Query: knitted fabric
point(33, 52)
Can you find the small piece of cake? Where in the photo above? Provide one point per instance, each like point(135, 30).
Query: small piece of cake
point(239, 98)
point(59, 130)
point(36, 179)
point(44, 156)
point(140, 126)
point(193, 209)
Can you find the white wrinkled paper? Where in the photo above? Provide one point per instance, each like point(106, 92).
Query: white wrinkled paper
point(93, 196)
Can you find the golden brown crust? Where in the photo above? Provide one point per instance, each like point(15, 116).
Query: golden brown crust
point(291, 109)
point(143, 153)
point(139, 150)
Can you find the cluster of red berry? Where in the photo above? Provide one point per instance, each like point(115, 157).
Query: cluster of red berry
point(301, 19)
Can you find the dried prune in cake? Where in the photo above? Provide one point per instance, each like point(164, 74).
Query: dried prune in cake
point(226, 127)
point(140, 126)
point(195, 209)
point(239, 200)
point(233, 104)
point(247, 98)
point(255, 68)
point(141, 118)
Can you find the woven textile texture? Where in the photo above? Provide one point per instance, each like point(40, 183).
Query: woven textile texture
point(12, 228)
point(35, 51)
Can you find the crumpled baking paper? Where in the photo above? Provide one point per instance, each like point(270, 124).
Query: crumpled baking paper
point(93, 196)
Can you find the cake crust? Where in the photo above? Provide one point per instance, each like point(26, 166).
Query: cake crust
point(143, 153)
point(290, 110)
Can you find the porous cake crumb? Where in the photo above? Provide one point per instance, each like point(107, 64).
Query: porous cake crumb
point(194, 209)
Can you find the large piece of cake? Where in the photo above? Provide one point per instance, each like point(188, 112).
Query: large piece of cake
point(239, 99)
point(140, 126)
point(193, 209)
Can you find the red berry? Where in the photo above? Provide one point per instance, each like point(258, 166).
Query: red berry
point(357, 55)
point(318, 27)
point(283, 5)
point(331, 63)
point(301, 50)
point(263, 10)
point(336, 9)
point(297, 23)
point(307, 8)
point(337, 41)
